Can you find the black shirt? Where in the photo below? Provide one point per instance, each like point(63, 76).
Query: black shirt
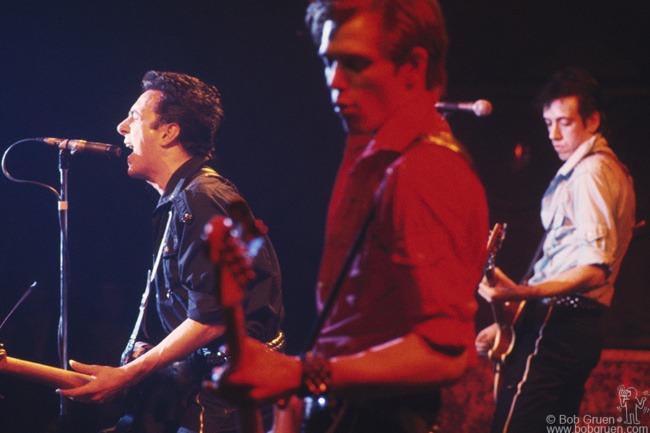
point(185, 281)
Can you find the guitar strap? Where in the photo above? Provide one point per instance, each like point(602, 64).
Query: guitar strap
point(531, 266)
point(318, 325)
point(151, 274)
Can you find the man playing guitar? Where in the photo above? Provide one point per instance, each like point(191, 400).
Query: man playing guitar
point(405, 235)
point(588, 211)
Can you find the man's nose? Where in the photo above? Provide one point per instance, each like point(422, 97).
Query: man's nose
point(122, 127)
point(336, 76)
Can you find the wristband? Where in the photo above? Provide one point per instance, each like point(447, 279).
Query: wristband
point(316, 376)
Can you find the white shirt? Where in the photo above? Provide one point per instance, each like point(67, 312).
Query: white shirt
point(588, 210)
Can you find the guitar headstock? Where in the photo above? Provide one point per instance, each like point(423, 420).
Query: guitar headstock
point(232, 243)
point(495, 240)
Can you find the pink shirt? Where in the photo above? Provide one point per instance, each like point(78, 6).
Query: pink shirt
point(423, 254)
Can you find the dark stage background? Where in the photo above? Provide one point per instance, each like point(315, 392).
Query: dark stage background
point(72, 69)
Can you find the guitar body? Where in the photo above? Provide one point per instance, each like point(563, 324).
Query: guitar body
point(506, 315)
point(509, 316)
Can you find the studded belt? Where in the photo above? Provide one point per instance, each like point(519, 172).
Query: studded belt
point(576, 302)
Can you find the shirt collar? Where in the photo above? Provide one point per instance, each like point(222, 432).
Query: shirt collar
point(596, 143)
point(406, 125)
point(179, 179)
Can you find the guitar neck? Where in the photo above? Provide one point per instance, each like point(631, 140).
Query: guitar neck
point(232, 244)
point(250, 419)
point(489, 276)
point(44, 374)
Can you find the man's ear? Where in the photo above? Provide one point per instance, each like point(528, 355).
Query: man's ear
point(170, 133)
point(414, 69)
point(593, 122)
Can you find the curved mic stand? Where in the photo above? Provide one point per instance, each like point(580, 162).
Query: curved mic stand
point(62, 197)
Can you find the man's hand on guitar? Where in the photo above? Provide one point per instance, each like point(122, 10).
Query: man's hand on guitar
point(485, 339)
point(260, 375)
point(109, 382)
point(504, 289)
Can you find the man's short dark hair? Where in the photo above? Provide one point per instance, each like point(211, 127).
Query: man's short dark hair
point(573, 82)
point(406, 24)
point(192, 104)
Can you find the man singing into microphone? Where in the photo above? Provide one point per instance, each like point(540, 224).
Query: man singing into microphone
point(171, 130)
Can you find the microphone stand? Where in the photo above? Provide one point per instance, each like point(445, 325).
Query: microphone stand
point(64, 164)
point(62, 196)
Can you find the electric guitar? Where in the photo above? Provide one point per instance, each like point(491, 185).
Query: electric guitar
point(232, 244)
point(505, 314)
point(41, 373)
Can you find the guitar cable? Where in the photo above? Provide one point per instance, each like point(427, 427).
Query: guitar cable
point(29, 290)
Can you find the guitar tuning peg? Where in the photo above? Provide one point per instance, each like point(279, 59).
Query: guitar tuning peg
point(261, 227)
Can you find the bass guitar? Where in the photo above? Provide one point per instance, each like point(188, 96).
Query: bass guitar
point(505, 314)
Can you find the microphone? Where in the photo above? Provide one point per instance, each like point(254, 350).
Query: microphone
point(83, 146)
point(482, 107)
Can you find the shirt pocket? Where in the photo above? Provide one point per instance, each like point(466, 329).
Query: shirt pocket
point(592, 235)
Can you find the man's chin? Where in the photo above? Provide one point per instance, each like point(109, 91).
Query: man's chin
point(355, 128)
point(133, 173)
